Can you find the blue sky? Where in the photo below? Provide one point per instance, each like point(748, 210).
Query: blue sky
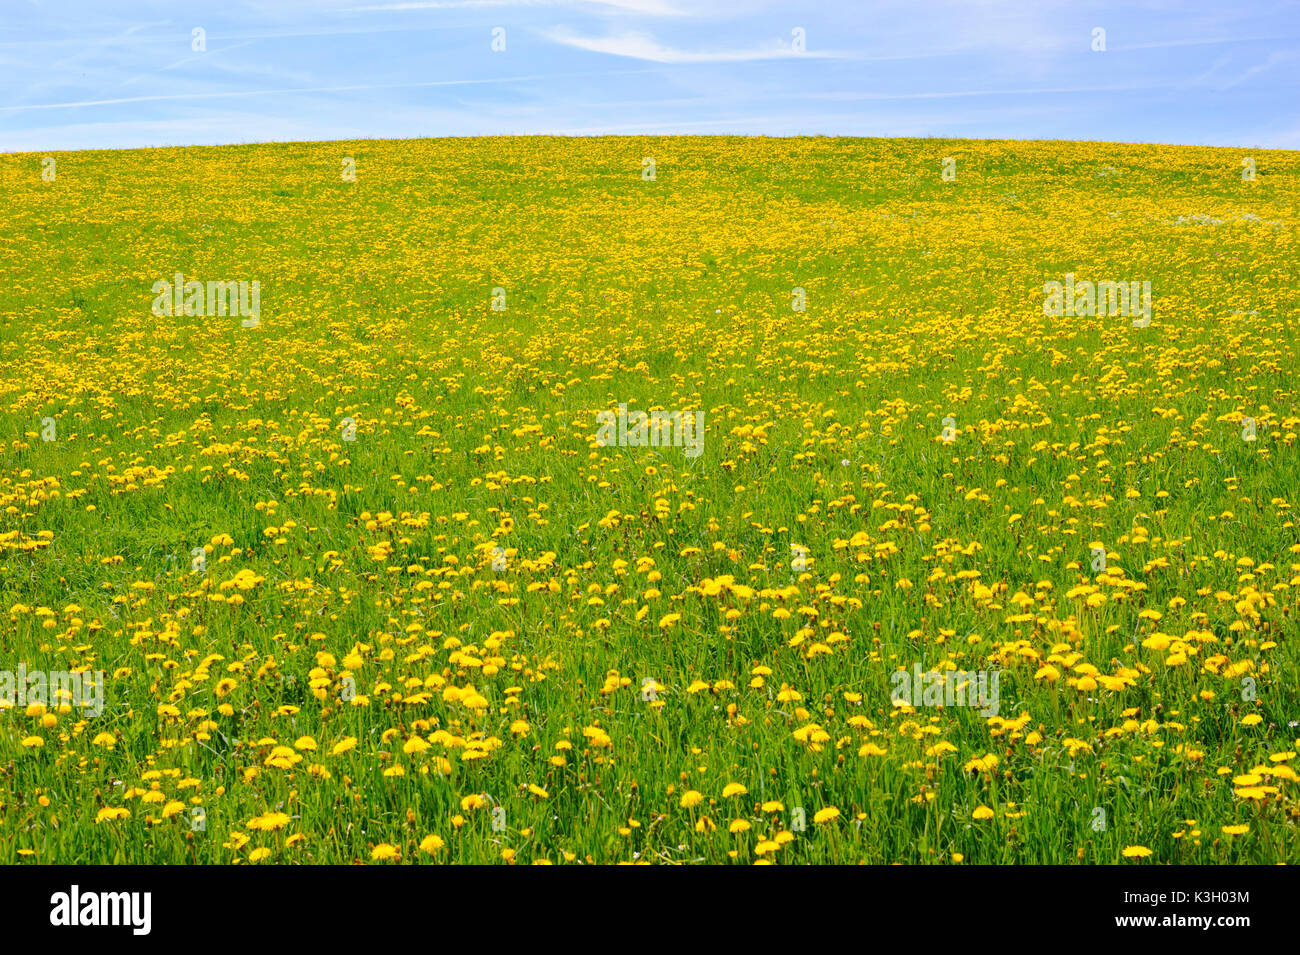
point(124, 73)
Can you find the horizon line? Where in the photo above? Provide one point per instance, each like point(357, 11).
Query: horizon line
point(576, 136)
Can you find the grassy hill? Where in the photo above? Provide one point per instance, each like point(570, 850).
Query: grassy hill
point(436, 618)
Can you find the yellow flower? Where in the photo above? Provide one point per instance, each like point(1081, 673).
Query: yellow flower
point(690, 799)
point(982, 812)
point(269, 821)
point(384, 852)
point(1136, 852)
point(982, 764)
point(431, 844)
point(343, 745)
point(1237, 830)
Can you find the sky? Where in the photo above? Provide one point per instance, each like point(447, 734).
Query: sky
point(92, 74)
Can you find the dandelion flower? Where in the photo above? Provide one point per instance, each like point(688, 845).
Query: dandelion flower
point(431, 844)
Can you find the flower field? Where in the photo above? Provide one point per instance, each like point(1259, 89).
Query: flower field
point(364, 583)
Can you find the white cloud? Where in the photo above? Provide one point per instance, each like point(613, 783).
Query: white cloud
point(655, 7)
point(352, 88)
point(643, 46)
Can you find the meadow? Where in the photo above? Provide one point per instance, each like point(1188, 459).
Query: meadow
point(364, 585)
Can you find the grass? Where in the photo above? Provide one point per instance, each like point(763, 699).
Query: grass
point(348, 594)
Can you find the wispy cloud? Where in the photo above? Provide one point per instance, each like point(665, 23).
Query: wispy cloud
point(642, 46)
point(651, 7)
point(181, 62)
point(1204, 41)
point(1273, 60)
point(358, 87)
